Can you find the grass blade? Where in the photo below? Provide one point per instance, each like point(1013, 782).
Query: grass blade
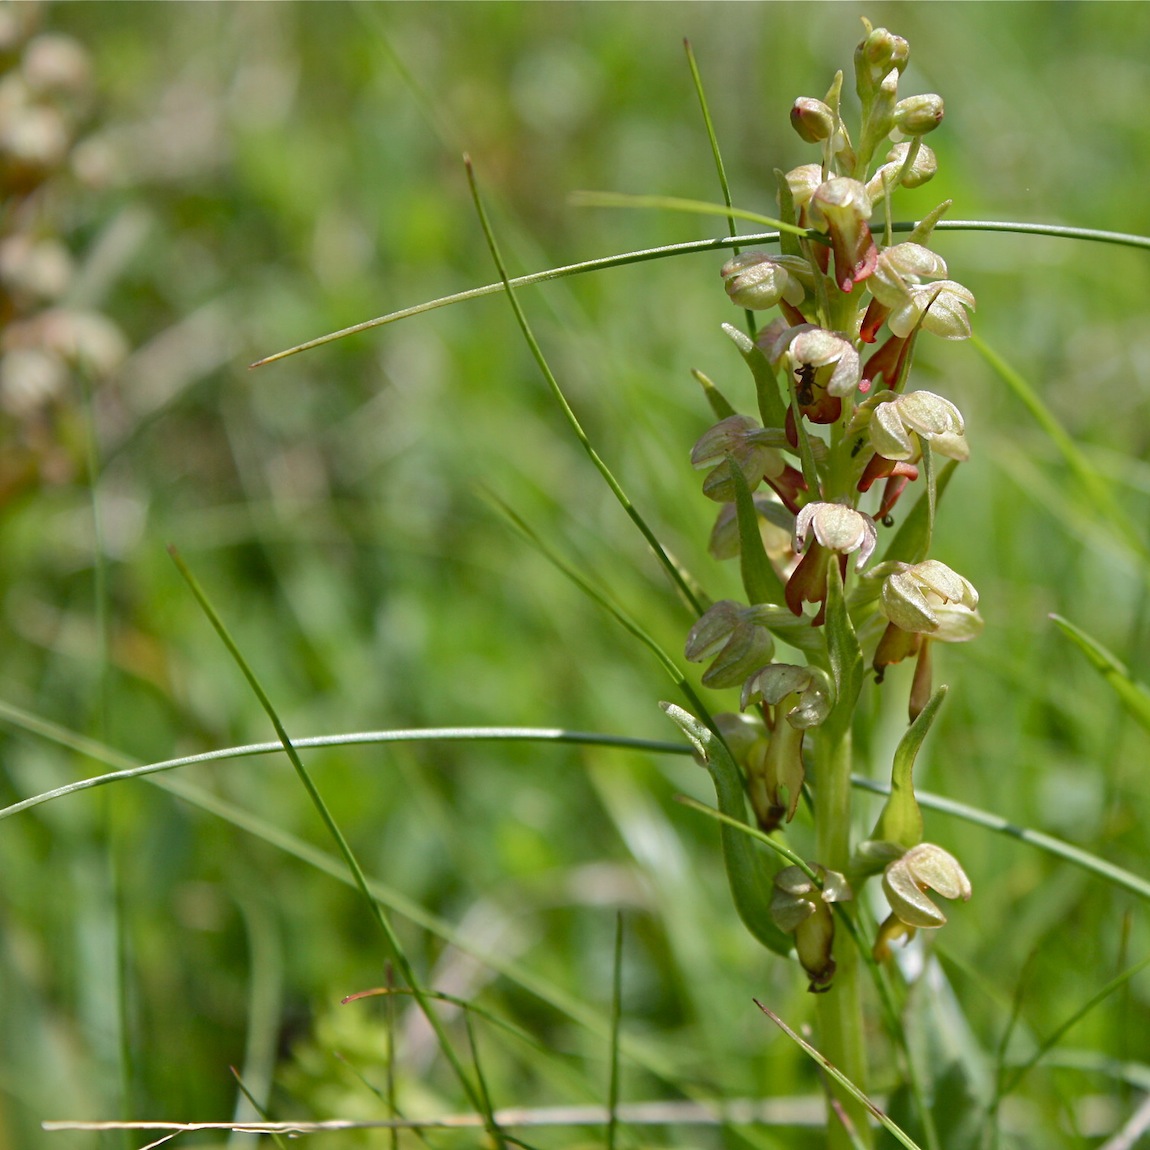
point(1099, 494)
point(832, 1071)
point(613, 609)
point(1052, 1040)
point(126, 770)
point(474, 1095)
point(616, 1019)
point(717, 155)
point(672, 569)
point(690, 247)
point(1134, 696)
point(1044, 842)
point(695, 207)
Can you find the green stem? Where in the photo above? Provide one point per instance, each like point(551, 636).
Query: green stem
point(839, 1011)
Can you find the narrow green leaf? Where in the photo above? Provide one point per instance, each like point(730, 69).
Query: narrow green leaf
point(1134, 696)
point(901, 819)
point(922, 230)
point(344, 847)
point(746, 874)
point(789, 243)
point(1055, 1036)
point(254, 1102)
point(719, 404)
point(772, 410)
point(760, 580)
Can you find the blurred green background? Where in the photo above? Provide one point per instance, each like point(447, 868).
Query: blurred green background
point(241, 177)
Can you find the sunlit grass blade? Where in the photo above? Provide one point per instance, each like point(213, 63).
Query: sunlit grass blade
point(672, 569)
point(400, 956)
point(1098, 493)
point(1134, 696)
point(695, 207)
point(833, 1072)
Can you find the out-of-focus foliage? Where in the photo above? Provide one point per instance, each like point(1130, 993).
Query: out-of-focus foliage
point(233, 179)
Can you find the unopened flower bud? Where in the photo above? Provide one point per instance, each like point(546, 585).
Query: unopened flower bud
point(876, 54)
point(758, 281)
point(800, 908)
point(812, 119)
point(917, 115)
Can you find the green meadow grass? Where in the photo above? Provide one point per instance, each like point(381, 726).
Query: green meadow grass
point(275, 172)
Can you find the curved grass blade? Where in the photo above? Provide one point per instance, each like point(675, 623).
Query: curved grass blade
point(672, 569)
point(128, 769)
point(65, 738)
point(474, 1094)
point(691, 247)
point(1135, 697)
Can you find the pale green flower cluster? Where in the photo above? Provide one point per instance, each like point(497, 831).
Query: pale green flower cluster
point(840, 436)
